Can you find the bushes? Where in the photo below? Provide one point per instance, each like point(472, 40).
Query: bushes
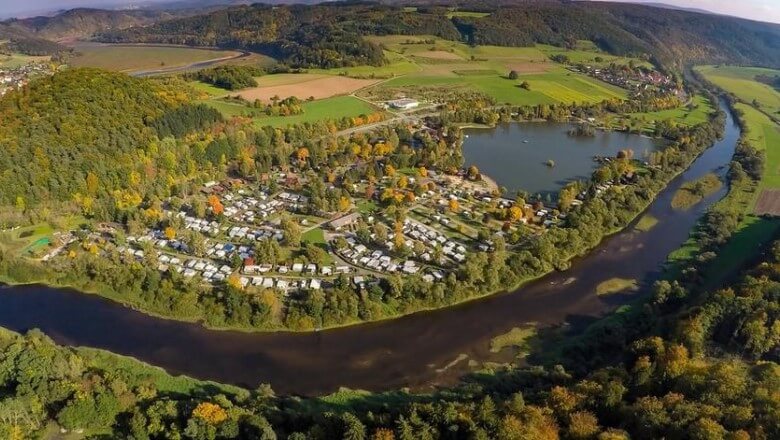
point(228, 77)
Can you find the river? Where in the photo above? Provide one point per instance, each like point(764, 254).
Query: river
point(418, 351)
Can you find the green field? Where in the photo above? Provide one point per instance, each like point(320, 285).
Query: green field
point(553, 87)
point(427, 61)
point(137, 58)
point(336, 107)
point(208, 89)
point(741, 82)
point(765, 135)
point(697, 113)
point(589, 54)
point(314, 236)
point(17, 60)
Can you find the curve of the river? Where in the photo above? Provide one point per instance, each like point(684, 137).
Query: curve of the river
point(417, 351)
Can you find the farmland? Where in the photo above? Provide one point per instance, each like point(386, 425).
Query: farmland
point(742, 82)
point(303, 86)
point(430, 62)
point(586, 52)
point(329, 108)
point(17, 60)
point(137, 58)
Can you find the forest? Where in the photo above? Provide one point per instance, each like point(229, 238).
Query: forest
point(332, 35)
point(228, 77)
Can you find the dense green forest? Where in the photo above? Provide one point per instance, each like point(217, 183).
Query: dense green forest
point(228, 77)
point(690, 364)
point(85, 132)
point(330, 35)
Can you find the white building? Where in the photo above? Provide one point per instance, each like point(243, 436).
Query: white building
point(404, 104)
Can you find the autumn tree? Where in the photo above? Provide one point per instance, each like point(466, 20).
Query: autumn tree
point(344, 204)
point(216, 206)
point(211, 413)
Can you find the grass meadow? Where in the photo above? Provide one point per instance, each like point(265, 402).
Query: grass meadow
point(125, 58)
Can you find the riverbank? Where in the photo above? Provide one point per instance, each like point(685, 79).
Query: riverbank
point(627, 216)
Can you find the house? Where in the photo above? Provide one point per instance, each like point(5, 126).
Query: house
point(344, 221)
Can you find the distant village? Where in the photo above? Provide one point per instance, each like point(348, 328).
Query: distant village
point(15, 78)
point(636, 80)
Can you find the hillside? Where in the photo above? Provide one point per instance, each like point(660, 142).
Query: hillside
point(81, 131)
point(81, 23)
point(329, 35)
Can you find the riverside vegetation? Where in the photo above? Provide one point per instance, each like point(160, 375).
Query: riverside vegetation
point(130, 192)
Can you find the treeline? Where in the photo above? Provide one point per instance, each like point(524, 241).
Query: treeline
point(185, 119)
point(228, 77)
point(300, 36)
point(332, 35)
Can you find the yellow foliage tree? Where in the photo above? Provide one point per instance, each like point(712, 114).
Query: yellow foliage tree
point(170, 233)
point(454, 205)
point(209, 412)
point(302, 154)
point(344, 204)
point(515, 213)
point(234, 281)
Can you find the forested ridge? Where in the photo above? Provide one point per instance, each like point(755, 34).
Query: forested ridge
point(84, 132)
point(331, 35)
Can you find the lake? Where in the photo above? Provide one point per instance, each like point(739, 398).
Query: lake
point(502, 154)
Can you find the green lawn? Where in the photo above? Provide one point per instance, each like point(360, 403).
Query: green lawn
point(314, 236)
point(397, 65)
point(329, 108)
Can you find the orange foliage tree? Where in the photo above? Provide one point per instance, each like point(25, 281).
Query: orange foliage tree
point(216, 205)
point(210, 413)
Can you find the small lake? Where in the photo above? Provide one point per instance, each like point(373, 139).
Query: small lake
point(502, 154)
